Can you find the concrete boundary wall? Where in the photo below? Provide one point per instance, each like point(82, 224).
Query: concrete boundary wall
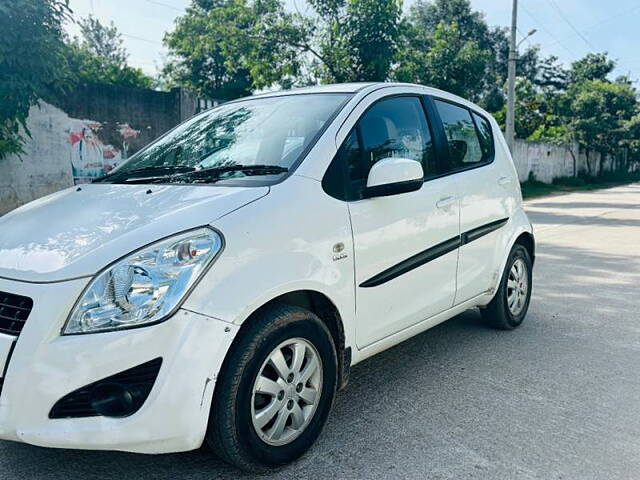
point(46, 165)
point(547, 161)
point(92, 130)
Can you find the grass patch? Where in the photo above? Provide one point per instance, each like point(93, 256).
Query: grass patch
point(533, 188)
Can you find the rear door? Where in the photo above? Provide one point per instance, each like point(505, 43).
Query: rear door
point(484, 191)
point(405, 245)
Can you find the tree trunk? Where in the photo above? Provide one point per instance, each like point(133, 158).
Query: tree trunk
point(575, 163)
point(602, 159)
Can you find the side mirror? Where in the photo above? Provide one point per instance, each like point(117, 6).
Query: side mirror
point(391, 176)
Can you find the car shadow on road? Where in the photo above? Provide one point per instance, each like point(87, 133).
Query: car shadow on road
point(575, 277)
point(574, 205)
point(548, 218)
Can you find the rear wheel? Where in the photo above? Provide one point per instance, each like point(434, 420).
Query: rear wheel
point(509, 307)
point(275, 391)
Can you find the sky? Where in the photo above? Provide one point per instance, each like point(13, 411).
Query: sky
point(566, 28)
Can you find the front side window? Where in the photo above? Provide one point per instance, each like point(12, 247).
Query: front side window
point(464, 141)
point(394, 127)
point(254, 139)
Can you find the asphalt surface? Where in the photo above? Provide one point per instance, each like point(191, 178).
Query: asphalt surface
point(557, 398)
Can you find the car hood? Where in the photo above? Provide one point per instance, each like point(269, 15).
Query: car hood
point(78, 231)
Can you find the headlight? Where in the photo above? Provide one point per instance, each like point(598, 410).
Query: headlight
point(146, 286)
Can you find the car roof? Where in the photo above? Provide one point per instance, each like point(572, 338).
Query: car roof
point(354, 87)
point(329, 88)
point(365, 88)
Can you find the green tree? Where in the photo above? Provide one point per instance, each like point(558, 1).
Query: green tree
point(446, 60)
point(447, 45)
point(32, 63)
point(372, 28)
point(550, 74)
point(348, 40)
point(530, 110)
point(99, 57)
point(459, 34)
point(631, 142)
point(104, 41)
point(429, 14)
point(594, 66)
point(599, 114)
point(226, 48)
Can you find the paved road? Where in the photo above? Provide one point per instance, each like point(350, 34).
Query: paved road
point(557, 399)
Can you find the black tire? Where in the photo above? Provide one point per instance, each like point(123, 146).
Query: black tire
point(497, 314)
point(231, 434)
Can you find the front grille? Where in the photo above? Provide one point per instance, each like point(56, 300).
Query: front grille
point(138, 381)
point(14, 311)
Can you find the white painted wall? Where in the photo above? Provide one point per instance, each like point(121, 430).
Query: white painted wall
point(548, 161)
point(46, 165)
point(545, 161)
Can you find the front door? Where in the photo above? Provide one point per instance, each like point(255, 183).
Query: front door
point(405, 245)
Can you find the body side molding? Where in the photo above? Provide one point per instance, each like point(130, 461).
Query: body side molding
point(476, 233)
point(415, 261)
point(432, 253)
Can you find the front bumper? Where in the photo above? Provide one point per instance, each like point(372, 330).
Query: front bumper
point(44, 366)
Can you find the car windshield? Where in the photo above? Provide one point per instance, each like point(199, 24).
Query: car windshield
point(246, 141)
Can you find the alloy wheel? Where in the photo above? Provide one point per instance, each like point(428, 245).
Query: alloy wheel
point(286, 392)
point(517, 287)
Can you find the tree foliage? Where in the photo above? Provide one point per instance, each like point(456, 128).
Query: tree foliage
point(366, 33)
point(100, 57)
point(104, 41)
point(444, 59)
point(531, 109)
point(227, 48)
point(594, 66)
point(599, 111)
point(32, 63)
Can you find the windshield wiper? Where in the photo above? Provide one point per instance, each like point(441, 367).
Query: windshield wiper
point(246, 169)
point(207, 174)
point(153, 171)
point(162, 168)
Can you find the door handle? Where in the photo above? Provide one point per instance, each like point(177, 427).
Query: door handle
point(445, 202)
point(504, 180)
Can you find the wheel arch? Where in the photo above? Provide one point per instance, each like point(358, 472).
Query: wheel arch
point(527, 240)
point(522, 234)
point(322, 306)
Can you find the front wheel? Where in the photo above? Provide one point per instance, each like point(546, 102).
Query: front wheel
point(275, 391)
point(509, 307)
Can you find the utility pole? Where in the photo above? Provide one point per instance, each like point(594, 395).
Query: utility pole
point(511, 82)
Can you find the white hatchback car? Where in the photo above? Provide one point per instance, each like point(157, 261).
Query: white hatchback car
point(219, 285)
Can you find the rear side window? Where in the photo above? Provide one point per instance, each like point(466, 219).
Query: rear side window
point(486, 138)
point(470, 142)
